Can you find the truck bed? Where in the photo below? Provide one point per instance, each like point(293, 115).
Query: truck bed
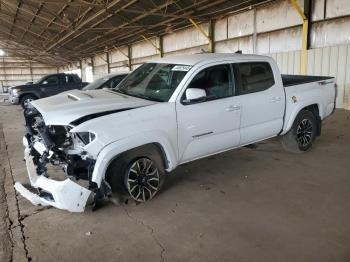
point(292, 80)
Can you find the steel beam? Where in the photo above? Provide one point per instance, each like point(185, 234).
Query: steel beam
point(92, 67)
point(88, 20)
point(133, 20)
point(31, 71)
point(305, 34)
point(31, 13)
point(129, 58)
point(81, 70)
point(201, 30)
point(108, 63)
point(211, 35)
point(158, 50)
point(100, 21)
point(161, 48)
point(189, 10)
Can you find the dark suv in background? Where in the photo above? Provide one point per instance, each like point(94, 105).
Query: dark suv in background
point(48, 85)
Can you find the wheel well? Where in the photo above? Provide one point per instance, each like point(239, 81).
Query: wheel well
point(23, 95)
point(316, 112)
point(162, 154)
point(152, 146)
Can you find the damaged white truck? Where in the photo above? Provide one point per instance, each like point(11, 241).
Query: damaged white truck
point(164, 114)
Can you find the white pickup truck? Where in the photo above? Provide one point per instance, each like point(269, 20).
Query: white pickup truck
point(166, 113)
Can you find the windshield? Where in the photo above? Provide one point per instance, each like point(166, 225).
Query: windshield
point(96, 84)
point(154, 81)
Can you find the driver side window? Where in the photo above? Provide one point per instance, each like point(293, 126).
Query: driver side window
point(51, 80)
point(215, 81)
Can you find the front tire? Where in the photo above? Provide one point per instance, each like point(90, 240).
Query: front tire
point(138, 174)
point(301, 136)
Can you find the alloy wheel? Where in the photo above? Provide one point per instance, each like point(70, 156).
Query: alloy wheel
point(142, 180)
point(304, 133)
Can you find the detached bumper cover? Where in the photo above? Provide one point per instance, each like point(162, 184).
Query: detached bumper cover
point(66, 194)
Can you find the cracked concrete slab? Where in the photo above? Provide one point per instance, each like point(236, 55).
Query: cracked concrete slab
point(5, 238)
point(251, 204)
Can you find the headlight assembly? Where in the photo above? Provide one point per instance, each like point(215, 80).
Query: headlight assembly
point(14, 92)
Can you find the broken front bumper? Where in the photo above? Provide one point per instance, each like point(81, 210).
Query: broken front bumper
point(66, 194)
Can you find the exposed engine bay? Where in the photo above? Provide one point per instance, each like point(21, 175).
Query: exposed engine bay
point(57, 146)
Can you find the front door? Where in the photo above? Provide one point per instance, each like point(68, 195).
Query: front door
point(210, 125)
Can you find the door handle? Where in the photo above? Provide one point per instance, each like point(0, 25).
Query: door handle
point(275, 99)
point(233, 108)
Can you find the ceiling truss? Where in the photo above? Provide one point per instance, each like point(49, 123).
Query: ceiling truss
point(57, 32)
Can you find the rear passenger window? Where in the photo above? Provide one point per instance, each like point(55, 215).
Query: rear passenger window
point(255, 77)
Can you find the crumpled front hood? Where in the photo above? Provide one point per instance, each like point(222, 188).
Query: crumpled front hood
point(66, 107)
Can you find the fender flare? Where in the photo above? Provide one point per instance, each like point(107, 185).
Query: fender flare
point(29, 93)
point(295, 110)
point(112, 150)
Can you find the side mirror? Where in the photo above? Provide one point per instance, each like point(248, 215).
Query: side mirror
point(195, 95)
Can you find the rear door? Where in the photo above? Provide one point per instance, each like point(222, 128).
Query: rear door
point(262, 101)
point(70, 82)
point(51, 86)
point(210, 126)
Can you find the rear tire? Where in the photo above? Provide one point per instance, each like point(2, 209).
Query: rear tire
point(138, 173)
point(25, 100)
point(302, 134)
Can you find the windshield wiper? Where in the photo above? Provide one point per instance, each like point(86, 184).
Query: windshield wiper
point(146, 97)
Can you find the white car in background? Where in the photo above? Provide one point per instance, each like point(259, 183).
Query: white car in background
point(166, 113)
point(108, 81)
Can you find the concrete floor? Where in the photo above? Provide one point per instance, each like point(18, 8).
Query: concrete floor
point(258, 204)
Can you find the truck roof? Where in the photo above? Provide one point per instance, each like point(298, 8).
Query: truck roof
point(56, 74)
point(205, 57)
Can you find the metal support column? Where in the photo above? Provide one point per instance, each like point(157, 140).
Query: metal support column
point(208, 36)
point(254, 32)
point(305, 34)
point(129, 58)
point(161, 46)
point(31, 71)
point(92, 67)
point(81, 71)
point(108, 63)
point(211, 45)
